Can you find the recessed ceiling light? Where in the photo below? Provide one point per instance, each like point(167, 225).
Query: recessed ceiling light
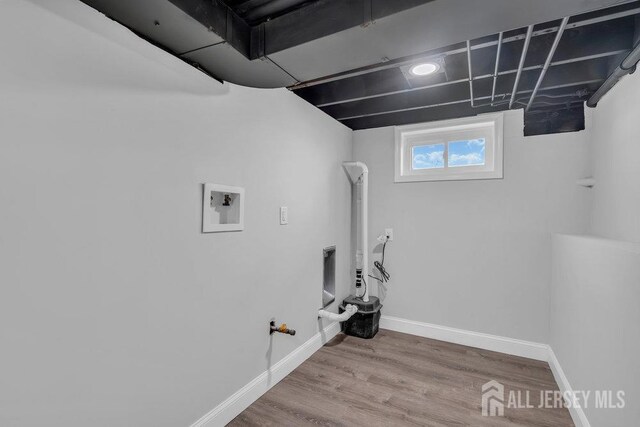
point(424, 69)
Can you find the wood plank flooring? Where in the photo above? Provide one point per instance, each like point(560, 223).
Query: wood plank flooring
point(397, 380)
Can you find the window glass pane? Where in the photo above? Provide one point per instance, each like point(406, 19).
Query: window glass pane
point(427, 156)
point(466, 153)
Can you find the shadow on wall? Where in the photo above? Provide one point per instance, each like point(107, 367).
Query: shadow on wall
point(268, 357)
point(111, 72)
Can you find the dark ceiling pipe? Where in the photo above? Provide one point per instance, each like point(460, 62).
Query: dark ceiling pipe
point(627, 66)
point(523, 57)
point(547, 63)
point(495, 72)
point(470, 71)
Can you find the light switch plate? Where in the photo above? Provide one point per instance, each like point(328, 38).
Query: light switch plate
point(284, 215)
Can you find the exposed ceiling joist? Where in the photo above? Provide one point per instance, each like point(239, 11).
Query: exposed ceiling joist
point(547, 63)
point(614, 53)
point(523, 57)
point(454, 109)
point(497, 67)
point(470, 72)
point(480, 98)
point(426, 56)
point(326, 17)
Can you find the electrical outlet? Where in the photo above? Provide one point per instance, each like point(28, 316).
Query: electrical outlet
point(389, 233)
point(284, 215)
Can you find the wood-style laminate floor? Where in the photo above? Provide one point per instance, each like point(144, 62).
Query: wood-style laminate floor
point(397, 379)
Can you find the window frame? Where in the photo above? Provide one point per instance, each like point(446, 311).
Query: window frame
point(487, 126)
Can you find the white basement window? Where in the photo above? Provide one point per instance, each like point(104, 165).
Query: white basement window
point(469, 148)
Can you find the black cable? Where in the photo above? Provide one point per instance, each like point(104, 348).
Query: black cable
point(379, 265)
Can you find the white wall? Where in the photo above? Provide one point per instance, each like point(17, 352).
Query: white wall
point(616, 162)
point(475, 255)
point(594, 321)
point(595, 292)
point(114, 308)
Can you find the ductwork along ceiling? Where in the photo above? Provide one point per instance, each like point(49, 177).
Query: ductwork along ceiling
point(350, 58)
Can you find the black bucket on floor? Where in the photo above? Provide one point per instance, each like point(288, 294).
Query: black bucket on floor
point(365, 323)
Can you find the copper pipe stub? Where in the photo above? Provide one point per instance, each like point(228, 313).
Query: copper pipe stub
point(281, 329)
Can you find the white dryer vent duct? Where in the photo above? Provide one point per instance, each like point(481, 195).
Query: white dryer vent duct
point(359, 175)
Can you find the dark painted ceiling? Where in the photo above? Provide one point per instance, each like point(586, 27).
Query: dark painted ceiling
point(591, 46)
point(350, 57)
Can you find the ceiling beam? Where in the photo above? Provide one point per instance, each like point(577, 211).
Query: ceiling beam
point(326, 17)
point(318, 19)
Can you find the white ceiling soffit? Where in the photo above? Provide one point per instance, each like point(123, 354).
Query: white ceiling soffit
point(430, 26)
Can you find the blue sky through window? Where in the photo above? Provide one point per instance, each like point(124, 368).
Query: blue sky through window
point(427, 156)
point(466, 153)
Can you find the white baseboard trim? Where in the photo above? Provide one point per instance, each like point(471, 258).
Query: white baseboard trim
point(577, 414)
point(531, 350)
point(243, 398)
point(240, 400)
